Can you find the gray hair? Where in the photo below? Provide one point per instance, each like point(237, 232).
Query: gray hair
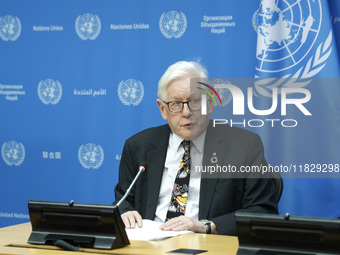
point(181, 69)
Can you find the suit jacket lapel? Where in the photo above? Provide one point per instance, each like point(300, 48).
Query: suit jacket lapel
point(214, 145)
point(156, 160)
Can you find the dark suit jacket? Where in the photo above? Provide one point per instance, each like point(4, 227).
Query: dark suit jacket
point(220, 196)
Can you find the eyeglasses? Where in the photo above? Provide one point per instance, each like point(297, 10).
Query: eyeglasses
point(177, 106)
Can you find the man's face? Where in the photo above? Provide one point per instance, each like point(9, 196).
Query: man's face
point(188, 124)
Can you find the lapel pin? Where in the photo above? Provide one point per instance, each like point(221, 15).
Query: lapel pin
point(214, 159)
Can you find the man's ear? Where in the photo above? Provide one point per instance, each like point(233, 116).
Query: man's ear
point(210, 105)
point(162, 109)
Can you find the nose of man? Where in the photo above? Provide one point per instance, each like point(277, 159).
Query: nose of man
point(186, 111)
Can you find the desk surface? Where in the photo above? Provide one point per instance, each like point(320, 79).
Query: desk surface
point(13, 240)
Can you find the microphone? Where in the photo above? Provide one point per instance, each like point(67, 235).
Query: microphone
point(141, 169)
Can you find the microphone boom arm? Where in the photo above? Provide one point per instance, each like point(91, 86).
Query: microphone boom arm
point(141, 169)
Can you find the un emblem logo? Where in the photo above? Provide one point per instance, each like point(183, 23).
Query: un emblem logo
point(224, 93)
point(91, 156)
point(10, 28)
point(130, 92)
point(173, 24)
point(287, 36)
point(50, 91)
point(88, 26)
point(13, 153)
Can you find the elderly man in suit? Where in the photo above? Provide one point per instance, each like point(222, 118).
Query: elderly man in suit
point(173, 190)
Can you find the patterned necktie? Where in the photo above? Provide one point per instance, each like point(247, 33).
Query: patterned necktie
point(179, 194)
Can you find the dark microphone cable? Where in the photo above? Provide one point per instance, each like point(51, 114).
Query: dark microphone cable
point(66, 246)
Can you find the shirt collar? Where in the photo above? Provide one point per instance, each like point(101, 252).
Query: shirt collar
point(176, 140)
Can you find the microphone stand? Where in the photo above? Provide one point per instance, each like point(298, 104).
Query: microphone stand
point(141, 169)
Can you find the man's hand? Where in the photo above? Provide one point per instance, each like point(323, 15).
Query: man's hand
point(130, 218)
point(185, 223)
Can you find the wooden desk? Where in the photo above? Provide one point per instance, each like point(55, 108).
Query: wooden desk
point(13, 240)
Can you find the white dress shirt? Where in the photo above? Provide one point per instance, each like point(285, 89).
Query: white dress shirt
point(173, 159)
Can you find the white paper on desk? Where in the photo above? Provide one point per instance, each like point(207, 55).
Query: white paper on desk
point(151, 231)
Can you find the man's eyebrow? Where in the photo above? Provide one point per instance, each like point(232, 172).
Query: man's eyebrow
point(179, 99)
